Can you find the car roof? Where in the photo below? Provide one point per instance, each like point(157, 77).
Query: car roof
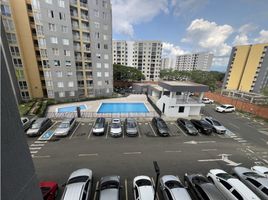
point(109, 194)
point(142, 177)
point(227, 105)
point(180, 193)
point(211, 191)
point(81, 172)
point(217, 171)
point(146, 192)
point(169, 178)
point(260, 169)
point(243, 189)
point(73, 191)
point(40, 120)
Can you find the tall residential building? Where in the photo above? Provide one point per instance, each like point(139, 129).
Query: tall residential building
point(60, 48)
point(144, 55)
point(196, 61)
point(248, 68)
point(166, 63)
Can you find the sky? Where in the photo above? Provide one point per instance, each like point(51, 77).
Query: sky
point(189, 26)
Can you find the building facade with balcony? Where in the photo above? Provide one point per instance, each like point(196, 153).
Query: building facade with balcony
point(143, 55)
point(247, 69)
point(65, 47)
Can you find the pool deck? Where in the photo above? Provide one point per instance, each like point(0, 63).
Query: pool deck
point(93, 106)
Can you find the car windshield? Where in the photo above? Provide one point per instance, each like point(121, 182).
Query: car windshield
point(173, 184)
point(162, 124)
point(64, 125)
point(115, 125)
point(78, 179)
point(253, 174)
point(216, 123)
point(204, 122)
point(188, 125)
point(98, 124)
point(200, 180)
point(36, 125)
point(109, 185)
point(224, 176)
point(223, 106)
point(143, 182)
point(131, 124)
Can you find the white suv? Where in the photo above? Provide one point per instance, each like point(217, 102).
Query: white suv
point(143, 188)
point(207, 101)
point(225, 108)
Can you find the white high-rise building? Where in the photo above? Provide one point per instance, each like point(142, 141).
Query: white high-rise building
point(196, 61)
point(143, 55)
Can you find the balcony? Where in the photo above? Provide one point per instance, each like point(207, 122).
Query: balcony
point(73, 2)
point(75, 26)
point(76, 37)
point(78, 58)
point(83, 5)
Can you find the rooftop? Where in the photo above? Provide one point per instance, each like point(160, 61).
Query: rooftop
point(179, 86)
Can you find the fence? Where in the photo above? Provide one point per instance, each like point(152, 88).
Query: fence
point(261, 111)
point(56, 115)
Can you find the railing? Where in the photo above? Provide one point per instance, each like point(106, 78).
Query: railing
point(56, 115)
point(189, 101)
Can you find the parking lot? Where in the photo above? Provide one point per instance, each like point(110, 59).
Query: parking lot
point(128, 157)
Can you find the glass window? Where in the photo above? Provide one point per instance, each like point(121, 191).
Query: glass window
point(70, 84)
point(106, 65)
point(99, 83)
point(52, 27)
point(69, 73)
point(56, 63)
point(60, 84)
point(68, 63)
point(71, 93)
point(49, 1)
point(50, 13)
point(64, 29)
point(5, 10)
point(65, 41)
point(105, 37)
point(55, 51)
point(181, 109)
point(97, 24)
point(106, 57)
point(54, 40)
point(106, 74)
point(61, 94)
point(96, 13)
point(105, 46)
point(61, 3)
point(98, 65)
point(98, 74)
point(59, 74)
point(67, 53)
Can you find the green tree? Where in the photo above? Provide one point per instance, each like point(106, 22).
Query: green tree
point(125, 73)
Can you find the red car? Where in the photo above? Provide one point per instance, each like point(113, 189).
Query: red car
point(49, 190)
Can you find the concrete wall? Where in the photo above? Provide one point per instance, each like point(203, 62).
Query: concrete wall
point(18, 177)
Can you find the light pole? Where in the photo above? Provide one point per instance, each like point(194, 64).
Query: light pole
point(157, 171)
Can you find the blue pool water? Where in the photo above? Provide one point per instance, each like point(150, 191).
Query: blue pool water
point(123, 108)
point(71, 108)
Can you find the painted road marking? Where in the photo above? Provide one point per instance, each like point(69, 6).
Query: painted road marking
point(87, 154)
point(37, 145)
point(209, 149)
point(75, 130)
point(173, 151)
point(33, 152)
point(152, 129)
point(242, 141)
point(224, 157)
point(40, 142)
point(90, 132)
point(237, 127)
point(47, 134)
point(126, 189)
point(35, 148)
point(107, 131)
point(95, 194)
point(199, 142)
point(46, 156)
point(181, 130)
point(132, 153)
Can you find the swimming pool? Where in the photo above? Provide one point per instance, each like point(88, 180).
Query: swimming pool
point(123, 108)
point(71, 108)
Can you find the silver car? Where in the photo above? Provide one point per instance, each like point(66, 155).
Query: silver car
point(217, 126)
point(39, 127)
point(116, 129)
point(109, 188)
point(131, 127)
point(257, 183)
point(65, 127)
point(172, 188)
point(99, 126)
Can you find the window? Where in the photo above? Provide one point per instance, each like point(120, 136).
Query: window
point(237, 195)
point(106, 65)
point(42, 42)
point(54, 40)
point(65, 41)
point(96, 13)
point(60, 84)
point(5, 10)
point(69, 73)
point(49, 1)
point(56, 63)
point(98, 65)
point(98, 55)
point(104, 4)
point(61, 94)
point(14, 51)
point(8, 24)
point(52, 27)
point(98, 74)
point(97, 24)
point(106, 74)
point(25, 95)
point(19, 74)
point(70, 84)
point(105, 27)
point(98, 46)
point(105, 46)
point(136, 192)
point(67, 53)
point(62, 16)
point(181, 109)
point(71, 93)
point(61, 3)
point(17, 62)
point(64, 29)
point(106, 57)
point(104, 15)
point(11, 38)
point(202, 193)
point(104, 37)
point(50, 13)
point(99, 83)
point(68, 63)
point(59, 74)
point(47, 74)
point(49, 83)
point(39, 30)
point(225, 184)
point(55, 51)
point(253, 182)
point(23, 85)
point(43, 53)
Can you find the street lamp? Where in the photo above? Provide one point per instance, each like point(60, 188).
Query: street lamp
point(157, 171)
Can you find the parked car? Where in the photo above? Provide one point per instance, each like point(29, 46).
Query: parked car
point(207, 101)
point(39, 127)
point(161, 126)
point(131, 128)
point(231, 187)
point(143, 188)
point(257, 183)
point(217, 126)
point(99, 126)
point(78, 186)
point(225, 108)
point(109, 188)
point(116, 129)
point(26, 122)
point(65, 127)
point(49, 190)
point(172, 188)
point(201, 188)
point(187, 126)
point(202, 126)
point(262, 170)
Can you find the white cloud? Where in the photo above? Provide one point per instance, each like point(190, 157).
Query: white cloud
point(209, 36)
point(127, 13)
point(220, 61)
point(181, 7)
point(170, 50)
point(243, 32)
point(263, 37)
point(241, 39)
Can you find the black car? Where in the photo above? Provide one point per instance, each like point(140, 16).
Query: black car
point(202, 126)
point(187, 126)
point(161, 126)
point(200, 188)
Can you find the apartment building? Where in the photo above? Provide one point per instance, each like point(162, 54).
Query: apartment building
point(144, 55)
point(61, 49)
point(166, 63)
point(196, 61)
point(247, 69)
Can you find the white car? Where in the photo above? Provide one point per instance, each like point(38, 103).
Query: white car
point(217, 126)
point(78, 186)
point(143, 188)
point(262, 170)
point(225, 108)
point(116, 129)
point(207, 101)
point(231, 187)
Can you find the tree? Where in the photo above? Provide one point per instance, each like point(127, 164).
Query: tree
point(125, 73)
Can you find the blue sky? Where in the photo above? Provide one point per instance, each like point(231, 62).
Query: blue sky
point(186, 26)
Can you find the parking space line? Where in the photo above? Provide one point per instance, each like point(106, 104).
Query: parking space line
point(37, 145)
point(209, 149)
point(107, 130)
point(75, 130)
point(87, 154)
point(95, 194)
point(181, 130)
point(132, 153)
point(90, 132)
point(33, 152)
point(40, 142)
point(173, 151)
point(152, 129)
point(35, 148)
point(126, 193)
point(35, 156)
point(122, 127)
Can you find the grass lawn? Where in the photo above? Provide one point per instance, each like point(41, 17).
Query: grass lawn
point(24, 108)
